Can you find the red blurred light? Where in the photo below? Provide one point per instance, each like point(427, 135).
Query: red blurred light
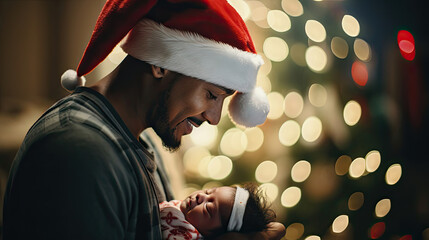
point(406, 45)
point(359, 73)
point(406, 237)
point(377, 230)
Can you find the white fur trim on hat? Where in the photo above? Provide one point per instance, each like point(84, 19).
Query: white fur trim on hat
point(193, 55)
point(70, 80)
point(236, 219)
point(249, 109)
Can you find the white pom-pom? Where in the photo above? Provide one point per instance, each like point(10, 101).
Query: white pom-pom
point(70, 81)
point(249, 109)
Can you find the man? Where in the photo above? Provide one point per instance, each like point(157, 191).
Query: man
point(82, 171)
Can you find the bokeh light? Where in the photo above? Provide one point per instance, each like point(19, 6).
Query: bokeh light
point(241, 7)
point(316, 58)
point(382, 208)
point(311, 129)
point(362, 49)
point(278, 21)
point(276, 105)
point(350, 25)
point(300, 171)
point(292, 7)
point(294, 231)
point(192, 157)
point(339, 47)
point(291, 196)
point(377, 230)
point(352, 113)
point(289, 133)
point(219, 167)
point(406, 45)
point(266, 171)
point(393, 174)
point(255, 138)
point(373, 160)
point(276, 49)
point(264, 82)
point(203, 166)
point(340, 223)
point(205, 135)
point(265, 69)
point(357, 168)
point(342, 165)
point(317, 95)
point(293, 104)
point(212, 184)
point(359, 73)
point(270, 190)
point(313, 237)
point(315, 31)
point(258, 13)
point(356, 201)
point(233, 142)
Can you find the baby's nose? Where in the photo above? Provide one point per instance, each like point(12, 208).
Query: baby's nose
point(201, 197)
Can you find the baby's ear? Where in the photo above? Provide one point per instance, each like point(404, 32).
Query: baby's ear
point(158, 72)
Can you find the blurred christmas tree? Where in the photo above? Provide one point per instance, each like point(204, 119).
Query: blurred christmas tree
point(333, 156)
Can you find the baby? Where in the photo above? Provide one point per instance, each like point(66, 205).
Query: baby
point(209, 213)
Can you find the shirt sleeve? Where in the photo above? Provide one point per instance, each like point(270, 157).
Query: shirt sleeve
point(72, 184)
point(173, 223)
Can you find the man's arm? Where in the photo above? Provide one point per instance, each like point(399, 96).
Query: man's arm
point(274, 231)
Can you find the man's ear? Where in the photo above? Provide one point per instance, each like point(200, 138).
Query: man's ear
point(158, 72)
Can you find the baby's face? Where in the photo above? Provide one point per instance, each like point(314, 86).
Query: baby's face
point(206, 210)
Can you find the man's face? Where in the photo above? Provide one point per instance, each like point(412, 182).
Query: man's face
point(208, 210)
point(187, 103)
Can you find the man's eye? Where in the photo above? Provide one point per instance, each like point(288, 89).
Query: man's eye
point(211, 96)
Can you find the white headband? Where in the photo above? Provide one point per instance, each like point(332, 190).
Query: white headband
point(237, 213)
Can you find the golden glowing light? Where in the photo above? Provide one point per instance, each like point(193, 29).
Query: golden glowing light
point(312, 237)
point(339, 47)
point(356, 201)
point(258, 13)
point(291, 196)
point(185, 192)
point(293, 104)
point(350, 25)
point(294, 231)
point(203, 166)
point(317, 95)
point(276, 49)
point(212, 184)
point(362, 50)
point(233, 142)
point(382, 208)
point(357, 168)
point(297, 53)
point(352, 113)
point(340, 223)
point(292, 7)
point(255, 138)
point(241, 7)
point(393, 174)
point(264, 82)
point(266, 171)
point(265, 69)
point(271, 191)
point(205, 135)
point(278, 21)
point(225, 107)
point(373, 160)
point(316, 58)
point(219, 167)
point(342, 165)
point(311, 129)
point(300, 171)
point(289, 133)
point(192, 157)
point(276, 105)
point(315, 31)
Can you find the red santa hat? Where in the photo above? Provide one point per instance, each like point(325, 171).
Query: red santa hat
point(205, 39)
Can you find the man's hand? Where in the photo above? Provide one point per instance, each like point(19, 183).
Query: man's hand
point(274, 231)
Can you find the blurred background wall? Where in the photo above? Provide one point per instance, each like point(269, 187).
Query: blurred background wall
point(343, 152)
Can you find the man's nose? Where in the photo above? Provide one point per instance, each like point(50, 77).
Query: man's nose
point(214, 112)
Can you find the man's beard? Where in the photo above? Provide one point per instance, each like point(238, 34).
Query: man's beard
point(162, 126)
